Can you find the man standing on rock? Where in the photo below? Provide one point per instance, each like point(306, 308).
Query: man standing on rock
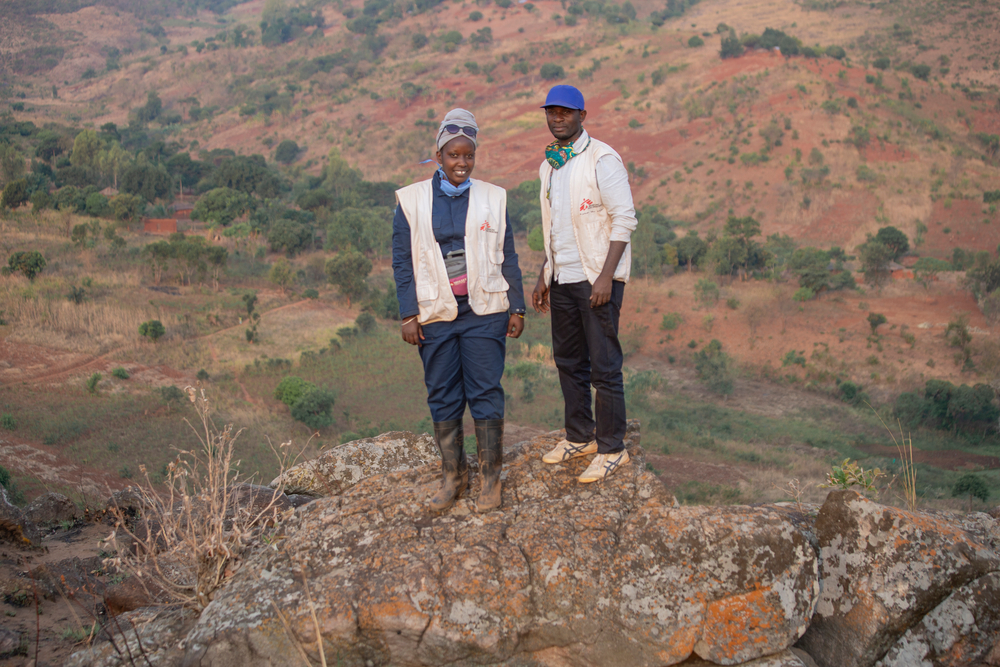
point(587, 222)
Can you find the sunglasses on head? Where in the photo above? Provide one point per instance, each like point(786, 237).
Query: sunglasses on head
point(455, 129)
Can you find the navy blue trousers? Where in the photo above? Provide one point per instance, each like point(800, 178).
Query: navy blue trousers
point(587, 352)
point(463, 364)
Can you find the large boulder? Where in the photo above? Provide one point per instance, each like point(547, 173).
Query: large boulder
point(342, 467)
point(50, 508)
point(882, 569)
point(608, 573)
point(962, 630)
point(15, 526)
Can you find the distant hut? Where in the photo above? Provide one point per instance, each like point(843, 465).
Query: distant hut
point(181, 210)
point(109, 192)
point(159, 225)
point(899, 272)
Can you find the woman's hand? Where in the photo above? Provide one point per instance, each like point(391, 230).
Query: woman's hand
point(412, 332)
point(515, 325)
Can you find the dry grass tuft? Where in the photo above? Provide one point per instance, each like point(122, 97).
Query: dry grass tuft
point(192, 537)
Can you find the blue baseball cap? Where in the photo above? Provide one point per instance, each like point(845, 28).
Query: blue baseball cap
point(564, 96)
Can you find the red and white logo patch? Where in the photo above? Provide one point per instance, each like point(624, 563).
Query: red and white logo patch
point(585, 205)
point(485, 227)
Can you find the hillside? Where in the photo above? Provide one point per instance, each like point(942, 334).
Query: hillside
point(872, 116)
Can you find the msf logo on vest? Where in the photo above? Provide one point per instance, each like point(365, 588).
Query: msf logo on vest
point(585, 205)
point(485, 227)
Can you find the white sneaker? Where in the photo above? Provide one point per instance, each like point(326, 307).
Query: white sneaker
point(603, 465)
point(567, 450)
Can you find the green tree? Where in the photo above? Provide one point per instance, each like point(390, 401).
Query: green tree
point(348, 271)
point(972, 486)
point(153, 330)
point(286, 152)
point(731, 46)
point(958, 335)
point(691, 250)
point(222, 206)
point(97, 205)
point(338, 176)
point(128, 209)
point(29, 263)
point(14, 194)
point(368, 230)
point(282, 273)
point(289, 237)
point(875, 320)
point(895, 240)
point(714, 367)
point(314, 408)
point(875, 258)
point(552, 72)
point(149, 181)
point(11, 164)
point(291, 389)
point(86, 147)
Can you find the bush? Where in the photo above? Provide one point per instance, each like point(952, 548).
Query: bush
point(8, 422)
point(881, 63)
point(836, 52)
point(875, 320)
point(310, 294)
point(314, 408)
point(476, 16)
point(286, 152)
point(731, 46)
point(93, 381)
point(706, 292)
point(153, 330)
point(972, 486)
point(696, 42)
point(15, 194)
point(15, 494)
point(120, 373)
point(714, 367)
point(202, 375)
point(171, 395)
point(803, 294)
point(366, 322)
point(552, 71)
point(291, 389)
point(30, 263)
point(922, 72)
point(535, 239)
point(671, 321)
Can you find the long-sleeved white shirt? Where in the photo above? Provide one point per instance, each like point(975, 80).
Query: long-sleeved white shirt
point(616, 195)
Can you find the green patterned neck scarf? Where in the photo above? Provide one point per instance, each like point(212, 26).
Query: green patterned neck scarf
point(558, 155)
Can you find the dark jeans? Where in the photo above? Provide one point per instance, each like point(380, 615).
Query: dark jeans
point(463, 364)
point(586, 350)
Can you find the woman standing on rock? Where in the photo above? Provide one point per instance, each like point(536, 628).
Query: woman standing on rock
point(460, 296)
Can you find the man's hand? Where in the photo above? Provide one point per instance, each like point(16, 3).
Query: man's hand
point(600, 293)
point(515, 326)
point(540, 297)
point(412, 332)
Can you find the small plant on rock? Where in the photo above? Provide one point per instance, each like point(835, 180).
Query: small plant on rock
point(849, 474)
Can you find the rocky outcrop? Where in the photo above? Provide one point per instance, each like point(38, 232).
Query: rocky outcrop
point(15, 526)
point(50, 508)
point(565, 573)
point(962, 630)
point(882, 570)
point(342, 467)
point(614, 573)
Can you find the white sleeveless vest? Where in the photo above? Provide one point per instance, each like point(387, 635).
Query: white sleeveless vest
point(485, 226)
point(591, 221)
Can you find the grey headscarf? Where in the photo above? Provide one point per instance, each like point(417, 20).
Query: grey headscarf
point(461, 118)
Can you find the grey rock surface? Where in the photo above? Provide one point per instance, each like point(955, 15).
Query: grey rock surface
point(50, 508)
point(340, 468)
point(881, 570)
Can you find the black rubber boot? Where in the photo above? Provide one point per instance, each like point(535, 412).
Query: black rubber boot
point(489, 444)
point(454, 464)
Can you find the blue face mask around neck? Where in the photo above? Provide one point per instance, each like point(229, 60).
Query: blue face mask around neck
point(453, 190)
